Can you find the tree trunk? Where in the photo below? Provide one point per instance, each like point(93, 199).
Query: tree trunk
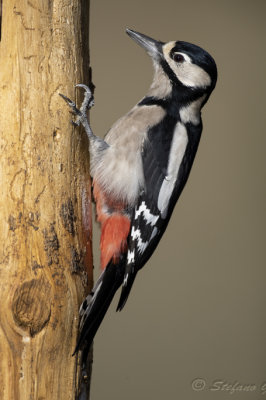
point(45, 209)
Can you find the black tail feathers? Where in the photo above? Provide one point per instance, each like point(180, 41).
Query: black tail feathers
point(126, 288)
point(94, 307)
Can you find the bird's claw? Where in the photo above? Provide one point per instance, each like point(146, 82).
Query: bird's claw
point(87, 103)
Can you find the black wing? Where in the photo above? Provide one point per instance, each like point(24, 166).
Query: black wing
point(148, 223)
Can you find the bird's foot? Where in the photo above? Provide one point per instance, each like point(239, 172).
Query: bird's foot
point(88, 102)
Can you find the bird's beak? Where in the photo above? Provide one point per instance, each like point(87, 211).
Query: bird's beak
point(153, 47)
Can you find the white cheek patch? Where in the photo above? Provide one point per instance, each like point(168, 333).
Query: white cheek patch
point(188, 73)
point(192, 75)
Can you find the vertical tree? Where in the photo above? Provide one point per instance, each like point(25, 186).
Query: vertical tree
point(45, 206)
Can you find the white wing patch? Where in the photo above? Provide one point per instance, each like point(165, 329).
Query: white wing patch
point(137, 243)
point(136, 235)
point(178, 148)
point(125, 280)
point(149, 217)
point(130, 257)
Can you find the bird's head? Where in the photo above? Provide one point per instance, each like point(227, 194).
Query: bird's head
point(188, 67)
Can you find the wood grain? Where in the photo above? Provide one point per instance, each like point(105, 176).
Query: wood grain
point(45, 208)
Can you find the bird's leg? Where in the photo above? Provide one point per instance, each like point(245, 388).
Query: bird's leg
point(81, 114)
point(82, 118)
point(88, 100)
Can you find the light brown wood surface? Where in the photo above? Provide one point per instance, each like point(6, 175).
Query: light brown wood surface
point(45, 201)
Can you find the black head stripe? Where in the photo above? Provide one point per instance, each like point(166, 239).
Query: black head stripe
point(198, 56)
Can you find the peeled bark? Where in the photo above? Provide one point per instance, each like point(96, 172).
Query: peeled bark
point(45, 209)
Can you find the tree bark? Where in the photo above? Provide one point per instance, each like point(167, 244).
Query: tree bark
point(45, 209)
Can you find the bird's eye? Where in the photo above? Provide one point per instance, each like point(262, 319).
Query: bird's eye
point(178, 58)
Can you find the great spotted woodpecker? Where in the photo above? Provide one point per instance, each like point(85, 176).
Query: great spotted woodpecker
point(141, 167)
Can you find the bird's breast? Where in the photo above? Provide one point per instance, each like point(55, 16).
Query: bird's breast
point(119, 171)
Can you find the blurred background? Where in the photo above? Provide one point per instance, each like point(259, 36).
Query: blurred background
point(197, 310)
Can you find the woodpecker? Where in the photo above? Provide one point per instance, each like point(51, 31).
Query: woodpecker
point(141, 167)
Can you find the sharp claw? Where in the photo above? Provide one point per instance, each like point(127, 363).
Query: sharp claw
point(70, 102)
point(81, 114)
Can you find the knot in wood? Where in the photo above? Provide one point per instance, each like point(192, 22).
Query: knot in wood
point(31, 306)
